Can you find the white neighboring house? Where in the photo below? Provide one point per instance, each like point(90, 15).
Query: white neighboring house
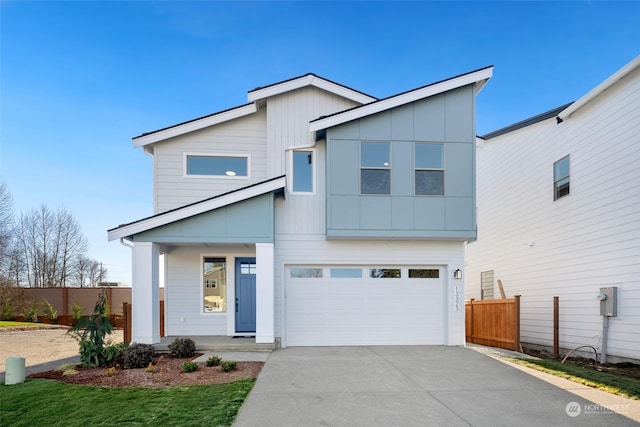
point(312, 215)
point(559, 215)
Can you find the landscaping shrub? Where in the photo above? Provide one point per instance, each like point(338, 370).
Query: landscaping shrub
point(12, 300)
point(48, 311)
point(213, 361)
point(91, 333)
point(76, 312)
point(182, 347)
point(31, 312)
point(227, 366)
point(138, 356)
point(189, 366)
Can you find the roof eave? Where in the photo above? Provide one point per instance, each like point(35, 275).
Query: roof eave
point(478, 78)
point(136, 227)
point(613, 79)
point(194, 125)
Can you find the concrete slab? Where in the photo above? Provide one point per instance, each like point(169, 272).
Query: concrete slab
point(237, 356)
point(407, 386)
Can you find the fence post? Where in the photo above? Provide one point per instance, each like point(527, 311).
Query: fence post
point(556, 327)
point(472, 332)
point(126, 320)
point(517, 323)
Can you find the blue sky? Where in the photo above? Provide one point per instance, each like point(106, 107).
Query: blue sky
point(80, 79)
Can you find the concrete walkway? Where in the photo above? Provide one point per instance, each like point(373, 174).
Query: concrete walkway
point(411, 386)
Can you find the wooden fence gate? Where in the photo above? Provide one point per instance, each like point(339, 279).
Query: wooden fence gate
point(495, 323)
point(126, 311)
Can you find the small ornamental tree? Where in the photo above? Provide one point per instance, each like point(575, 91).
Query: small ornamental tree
point(91, 332)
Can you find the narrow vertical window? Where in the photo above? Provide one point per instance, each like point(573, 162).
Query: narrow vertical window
point(214, 283)
point(303, 171)
point(375, 168)
point(429, 170)
point(561, 178)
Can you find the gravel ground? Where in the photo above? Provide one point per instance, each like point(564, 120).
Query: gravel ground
point(41, 345)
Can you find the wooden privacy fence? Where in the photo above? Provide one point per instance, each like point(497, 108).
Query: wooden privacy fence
point(495, 323)
point(126, 311)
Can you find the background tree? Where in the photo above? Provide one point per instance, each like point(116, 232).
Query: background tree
point(6, 229)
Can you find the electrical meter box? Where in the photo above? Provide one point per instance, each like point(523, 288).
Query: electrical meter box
point(608, 301)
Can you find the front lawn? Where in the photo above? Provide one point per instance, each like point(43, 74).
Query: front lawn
point(52, 403)
point(4, 323)
point(627, 387)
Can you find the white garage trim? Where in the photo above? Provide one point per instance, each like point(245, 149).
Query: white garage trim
point(323, 307)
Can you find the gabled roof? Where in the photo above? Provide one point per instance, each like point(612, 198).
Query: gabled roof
point(250, 108)
point(197, 208)
point(309, 79)
point(613, 79)
point(478, 77)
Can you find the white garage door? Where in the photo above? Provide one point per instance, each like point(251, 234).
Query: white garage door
point(336, 305)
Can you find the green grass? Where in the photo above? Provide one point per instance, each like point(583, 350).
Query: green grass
point(53, 403)
point(22, 324)
point(622, 386)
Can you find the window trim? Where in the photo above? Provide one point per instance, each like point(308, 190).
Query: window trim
point(556, 180)
point(314, 169)
point(185, 173)
point(387, 168)
point(416, 168)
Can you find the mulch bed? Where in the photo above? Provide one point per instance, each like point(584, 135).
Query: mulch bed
point(167, 371)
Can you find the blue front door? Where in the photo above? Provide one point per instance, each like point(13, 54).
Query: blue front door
point(245, 294)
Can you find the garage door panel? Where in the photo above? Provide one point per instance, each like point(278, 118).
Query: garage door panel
point(386, 311)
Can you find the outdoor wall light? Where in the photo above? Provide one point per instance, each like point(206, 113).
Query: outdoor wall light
point(457, 274)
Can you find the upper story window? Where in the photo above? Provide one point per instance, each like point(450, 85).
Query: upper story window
point(561, 178)
point(219, 166)
point(303, 171)
point(429, 169)
point(375, 168)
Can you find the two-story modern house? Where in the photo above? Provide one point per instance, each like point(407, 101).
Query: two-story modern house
point(312, 215)
point(559, 215)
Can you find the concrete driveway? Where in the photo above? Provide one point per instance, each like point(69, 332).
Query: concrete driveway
point(410, 386)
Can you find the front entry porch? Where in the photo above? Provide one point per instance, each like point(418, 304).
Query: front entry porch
point(219, 343)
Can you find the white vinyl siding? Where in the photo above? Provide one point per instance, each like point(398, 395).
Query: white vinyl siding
point(540, 248)
point(245, 136)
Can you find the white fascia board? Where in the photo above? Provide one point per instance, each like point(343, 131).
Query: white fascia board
point(479, 78)
point(194, 125)
point(309, 80)
point(593, 93)
point(195, 209)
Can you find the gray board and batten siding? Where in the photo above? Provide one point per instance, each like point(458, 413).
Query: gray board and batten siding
point(447, 118)
point(247, 221)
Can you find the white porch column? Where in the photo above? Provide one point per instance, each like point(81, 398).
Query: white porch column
point(145, 293)
point(264, 293)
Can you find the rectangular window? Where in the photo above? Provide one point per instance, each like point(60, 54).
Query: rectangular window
point(305, 273)
point(375, 168)
point(424, 273)
point(384, 273)
point(346, 273)
point(303, 171)
point(228, 166)
point(214, 282)
point(561, 178)
point(429, 169)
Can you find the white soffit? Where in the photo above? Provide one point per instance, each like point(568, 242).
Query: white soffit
point(309, 80)
point(613, 79)
point(196, 209)
point(479, 78)
point(194, 125)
